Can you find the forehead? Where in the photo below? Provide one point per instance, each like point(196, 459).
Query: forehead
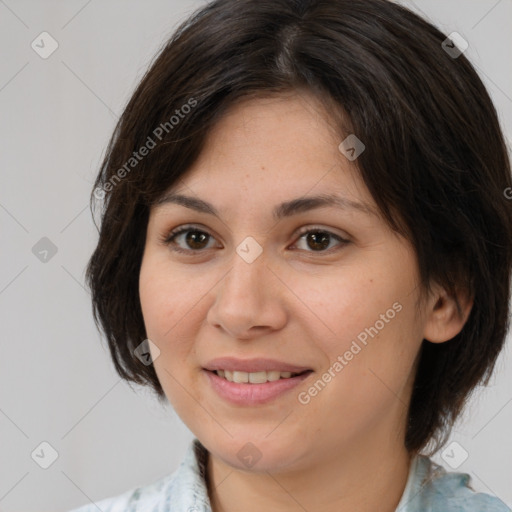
point(273, 148)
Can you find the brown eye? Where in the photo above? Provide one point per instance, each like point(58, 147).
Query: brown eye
point(187, 239)
point(318, 240)
point(190, 240)
point(196, 239)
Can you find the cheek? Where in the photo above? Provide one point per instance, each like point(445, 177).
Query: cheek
point(172, 308)
point(166, 306)
point(152, 286)
point(365, 316)
point(161, 309)
point(165, 294)
point(342, 305)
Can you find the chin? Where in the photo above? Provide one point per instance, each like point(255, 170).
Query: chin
point(256, 453)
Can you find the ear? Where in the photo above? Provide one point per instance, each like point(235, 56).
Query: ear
point(444, 319)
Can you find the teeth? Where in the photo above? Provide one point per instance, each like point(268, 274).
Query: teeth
point(253, 377)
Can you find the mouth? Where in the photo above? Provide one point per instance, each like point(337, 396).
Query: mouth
point(260, 377)
point(248, 389)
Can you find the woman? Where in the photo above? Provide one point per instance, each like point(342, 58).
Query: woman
point(306, 248)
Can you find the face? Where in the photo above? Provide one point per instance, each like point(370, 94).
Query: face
point(327, 288)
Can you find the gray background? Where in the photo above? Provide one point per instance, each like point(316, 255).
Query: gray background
point(57, 383)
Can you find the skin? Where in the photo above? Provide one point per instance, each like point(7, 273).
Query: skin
point(344, 450)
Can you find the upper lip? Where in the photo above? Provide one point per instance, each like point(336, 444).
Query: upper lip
point(253, 365)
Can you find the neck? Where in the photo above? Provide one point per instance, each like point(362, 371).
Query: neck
point(370, 475)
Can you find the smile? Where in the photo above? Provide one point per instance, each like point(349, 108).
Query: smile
point(252, 393)
point(261, 377)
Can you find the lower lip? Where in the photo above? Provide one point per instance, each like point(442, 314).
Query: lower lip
point(253, 394)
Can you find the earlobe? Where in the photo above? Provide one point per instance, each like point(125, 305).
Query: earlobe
point(445, 317)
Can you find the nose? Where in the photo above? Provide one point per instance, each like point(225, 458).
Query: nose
point(249, 300)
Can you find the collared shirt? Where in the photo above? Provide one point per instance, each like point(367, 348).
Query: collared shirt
point(429, 488)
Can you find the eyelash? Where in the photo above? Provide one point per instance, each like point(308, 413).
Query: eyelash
point(168, 239)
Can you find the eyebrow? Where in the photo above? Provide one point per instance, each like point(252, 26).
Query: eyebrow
point(286, 209)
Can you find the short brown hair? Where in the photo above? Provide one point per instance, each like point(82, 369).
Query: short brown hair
point(435, 162)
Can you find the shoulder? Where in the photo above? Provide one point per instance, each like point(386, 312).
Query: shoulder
point(139, 498)
point(185, 489)
point(439, 490)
